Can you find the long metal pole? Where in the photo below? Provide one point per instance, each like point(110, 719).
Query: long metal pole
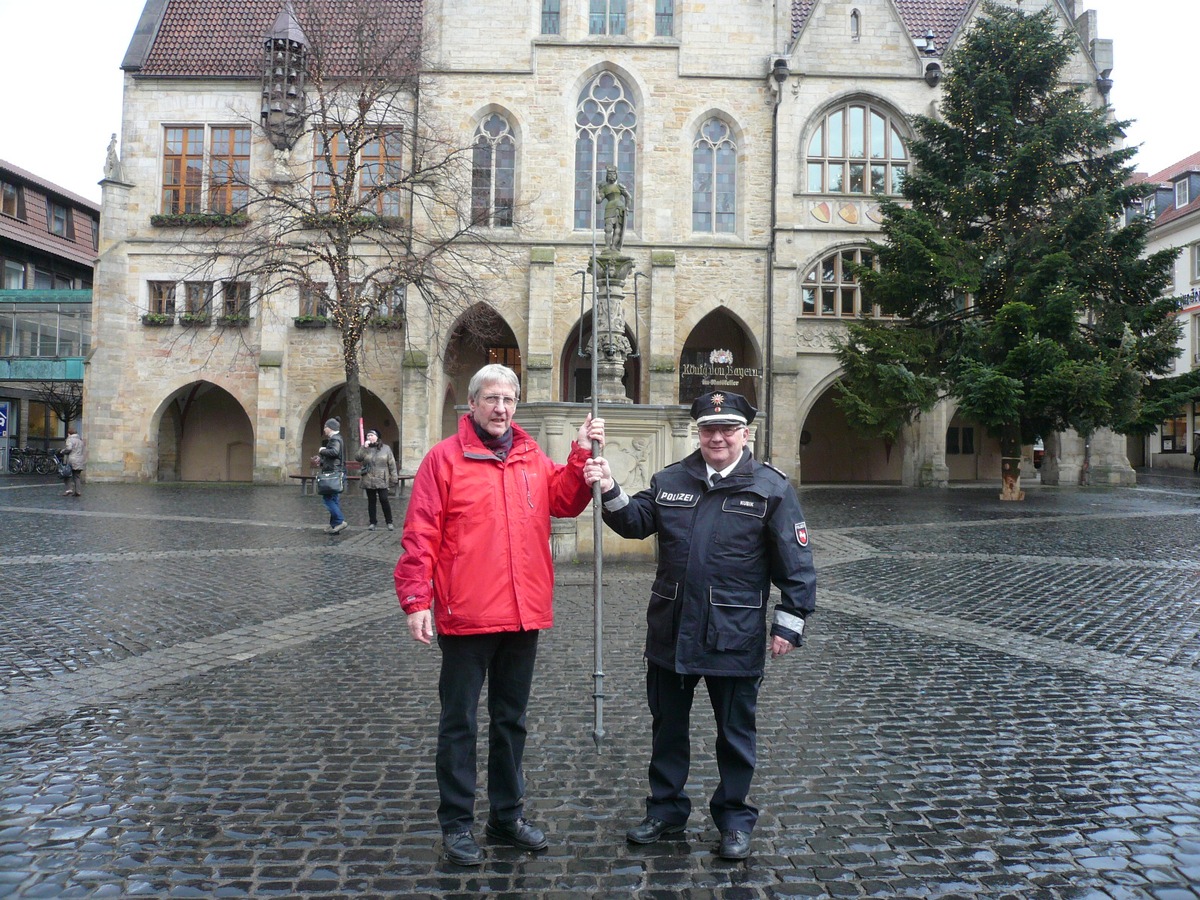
point(597, 520)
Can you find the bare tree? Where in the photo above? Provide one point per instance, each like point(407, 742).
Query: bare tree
point(378, 214)
point(65, 398)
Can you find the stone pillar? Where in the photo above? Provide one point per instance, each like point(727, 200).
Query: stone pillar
point(540, 353)
point(116, 439)
point(1108, 462)
point(417, 401)
point(1064, 458)
point(610, 269)
point(924, 462)
point(662, 353)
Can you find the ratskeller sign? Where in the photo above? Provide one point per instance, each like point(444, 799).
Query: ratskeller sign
point(719, 372)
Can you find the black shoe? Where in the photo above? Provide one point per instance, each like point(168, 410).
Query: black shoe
point(517, 833)
point(651, 829)
point(461, 848)
point(734, 845)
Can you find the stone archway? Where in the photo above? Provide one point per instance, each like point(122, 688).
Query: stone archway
point(332, 404)
point(576, 382)
point(831, 451)
point(480, 337)
point(720, 354)
point(204, 434)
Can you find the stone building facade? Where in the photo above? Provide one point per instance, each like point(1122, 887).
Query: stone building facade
point(1175, 207)
point(750, 136)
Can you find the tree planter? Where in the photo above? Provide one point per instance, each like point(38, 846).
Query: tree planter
point(157, 320)
point(310, 321)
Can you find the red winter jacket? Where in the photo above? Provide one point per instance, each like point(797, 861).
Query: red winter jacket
point(478, 529)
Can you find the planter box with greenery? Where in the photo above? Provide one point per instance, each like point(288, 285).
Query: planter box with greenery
point(233, 321)
point(195, 320)
point(158, 320)
point(200, 220)
point(310, 321)
point(331, 220)
point(387, 323)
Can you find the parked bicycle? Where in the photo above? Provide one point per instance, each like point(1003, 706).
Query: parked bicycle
point(32, 460)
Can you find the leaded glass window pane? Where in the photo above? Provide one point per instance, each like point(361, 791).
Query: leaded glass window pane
point(855, 149)
point(714, 178)
point(605, 134)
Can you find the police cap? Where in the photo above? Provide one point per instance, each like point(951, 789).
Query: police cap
point(722, 408)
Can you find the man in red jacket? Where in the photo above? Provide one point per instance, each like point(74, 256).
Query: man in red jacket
point(477, 561)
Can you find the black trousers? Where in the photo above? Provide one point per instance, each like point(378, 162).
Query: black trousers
point(382, 495)
point(735, 703)
point(506, 659)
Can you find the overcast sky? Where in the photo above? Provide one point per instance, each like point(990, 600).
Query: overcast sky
point(61, 81)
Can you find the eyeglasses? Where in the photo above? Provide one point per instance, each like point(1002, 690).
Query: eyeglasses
point(724, 430)
point(498, 400)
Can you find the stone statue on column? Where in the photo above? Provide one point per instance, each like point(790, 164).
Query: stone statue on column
point(609, 269)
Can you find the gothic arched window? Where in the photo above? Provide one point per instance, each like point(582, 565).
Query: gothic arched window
point(857, 149)
point(493, 173)
point(605, 135)
point(714, 178)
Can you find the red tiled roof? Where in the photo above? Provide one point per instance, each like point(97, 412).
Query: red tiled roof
point(1165, 178)
point(1187, 164)
point(224, 38)
point(943, 17)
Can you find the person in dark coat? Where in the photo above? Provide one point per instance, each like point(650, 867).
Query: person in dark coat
point(332, 458)
point(728, 527)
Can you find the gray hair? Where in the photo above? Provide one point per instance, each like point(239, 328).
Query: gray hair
point(490, 374)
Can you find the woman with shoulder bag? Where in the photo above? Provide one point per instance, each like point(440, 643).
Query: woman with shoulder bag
point(332, 479)
point(378, 474)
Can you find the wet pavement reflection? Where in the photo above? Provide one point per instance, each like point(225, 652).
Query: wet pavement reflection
point(202, 695)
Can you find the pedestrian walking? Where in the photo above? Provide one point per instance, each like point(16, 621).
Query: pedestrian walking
point(74, 454)
point(331, 459)
point(476, 559)
point(1196, 452)
point(377, 477)
point(727, 527)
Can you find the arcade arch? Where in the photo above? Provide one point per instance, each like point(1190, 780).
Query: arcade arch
point(719, 353)
point(831, 451)
point(204, 434)
point(576, 381)
point(480, 337)
point(332, 403)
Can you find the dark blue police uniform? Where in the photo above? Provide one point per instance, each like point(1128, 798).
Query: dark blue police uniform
point(720, 550)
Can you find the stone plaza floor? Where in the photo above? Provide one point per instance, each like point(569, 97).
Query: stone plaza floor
point(202, 695)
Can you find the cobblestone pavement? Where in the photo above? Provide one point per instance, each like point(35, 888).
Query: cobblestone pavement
point(202, 695)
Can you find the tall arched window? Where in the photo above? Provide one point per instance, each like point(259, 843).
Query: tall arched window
point(857, 149)
point(493, 173)
point(831, 289)
point(714, 178)
point(605, 134)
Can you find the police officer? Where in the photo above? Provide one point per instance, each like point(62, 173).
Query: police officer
point(727, 527)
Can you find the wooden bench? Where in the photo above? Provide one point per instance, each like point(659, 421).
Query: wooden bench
point(310, 480)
